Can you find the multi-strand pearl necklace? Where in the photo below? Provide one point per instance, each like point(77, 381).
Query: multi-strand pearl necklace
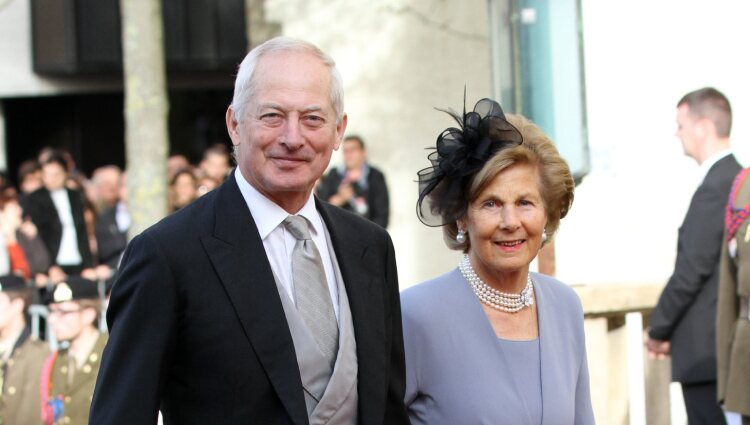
point(503, 301)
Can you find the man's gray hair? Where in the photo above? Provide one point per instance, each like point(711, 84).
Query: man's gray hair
point(244, 86)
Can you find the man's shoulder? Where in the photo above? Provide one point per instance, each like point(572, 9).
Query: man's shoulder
point(375, 172)
point(33, 348)
point(350, 222)
point(722, 174)
point(38, 195)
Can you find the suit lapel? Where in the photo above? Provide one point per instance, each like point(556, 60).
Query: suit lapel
point(366, 305)
point(238, 255)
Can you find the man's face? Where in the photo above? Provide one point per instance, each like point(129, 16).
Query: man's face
point(54, 176)
point(354, 155)
point(108, 189)
point(284, 141)
point(688, 131)
point(68, 319)
point(215, 166)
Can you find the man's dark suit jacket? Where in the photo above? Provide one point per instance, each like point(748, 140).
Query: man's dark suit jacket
point(40, 207)
point(376, 193)
point(110, 241)
point(686, 312)
point(198, 329)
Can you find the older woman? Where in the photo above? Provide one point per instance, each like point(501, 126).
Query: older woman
point(491, 342)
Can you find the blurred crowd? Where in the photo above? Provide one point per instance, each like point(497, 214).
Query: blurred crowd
point(57, 221)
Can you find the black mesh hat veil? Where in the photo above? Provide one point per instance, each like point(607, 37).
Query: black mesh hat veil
point(458, 155)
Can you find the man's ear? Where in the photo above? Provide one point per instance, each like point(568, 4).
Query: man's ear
point(232, 127)
point(340, 130)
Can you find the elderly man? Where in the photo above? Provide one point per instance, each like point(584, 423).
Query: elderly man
point(112, 220)
point(258, 304)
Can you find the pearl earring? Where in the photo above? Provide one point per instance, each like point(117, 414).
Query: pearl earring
point(461, 236)
point(544, 235)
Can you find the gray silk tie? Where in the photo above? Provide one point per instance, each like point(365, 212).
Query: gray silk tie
point(311, 288)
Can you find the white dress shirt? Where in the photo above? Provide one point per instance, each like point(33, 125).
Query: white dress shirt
point(68, 254)
point(279, 243)
point(122, 217)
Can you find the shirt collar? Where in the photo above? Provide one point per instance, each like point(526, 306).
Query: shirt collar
point(710, 161)
point(268, 215)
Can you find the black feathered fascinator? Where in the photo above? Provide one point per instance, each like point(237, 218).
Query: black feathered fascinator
point(458, 155)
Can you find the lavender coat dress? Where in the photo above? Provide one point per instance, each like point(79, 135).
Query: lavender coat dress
point(458, 373)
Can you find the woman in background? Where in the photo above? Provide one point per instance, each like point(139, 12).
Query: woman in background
point(183, 189)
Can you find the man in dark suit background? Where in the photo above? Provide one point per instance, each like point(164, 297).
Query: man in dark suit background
point(113, 220)
point(58, 213)
point(356, 185)
point(683, 322)
point(203, 317)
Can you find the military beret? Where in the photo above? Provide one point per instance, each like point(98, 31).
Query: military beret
point(10, 282)
point(73, 288)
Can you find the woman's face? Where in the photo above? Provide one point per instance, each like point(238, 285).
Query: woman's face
point(505, 223)
point(184, 188)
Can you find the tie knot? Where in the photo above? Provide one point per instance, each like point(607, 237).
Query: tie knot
point(297, 226)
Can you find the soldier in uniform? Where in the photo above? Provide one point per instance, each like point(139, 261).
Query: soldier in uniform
point(732, 327)
point(21, 356)
point(69, 375)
